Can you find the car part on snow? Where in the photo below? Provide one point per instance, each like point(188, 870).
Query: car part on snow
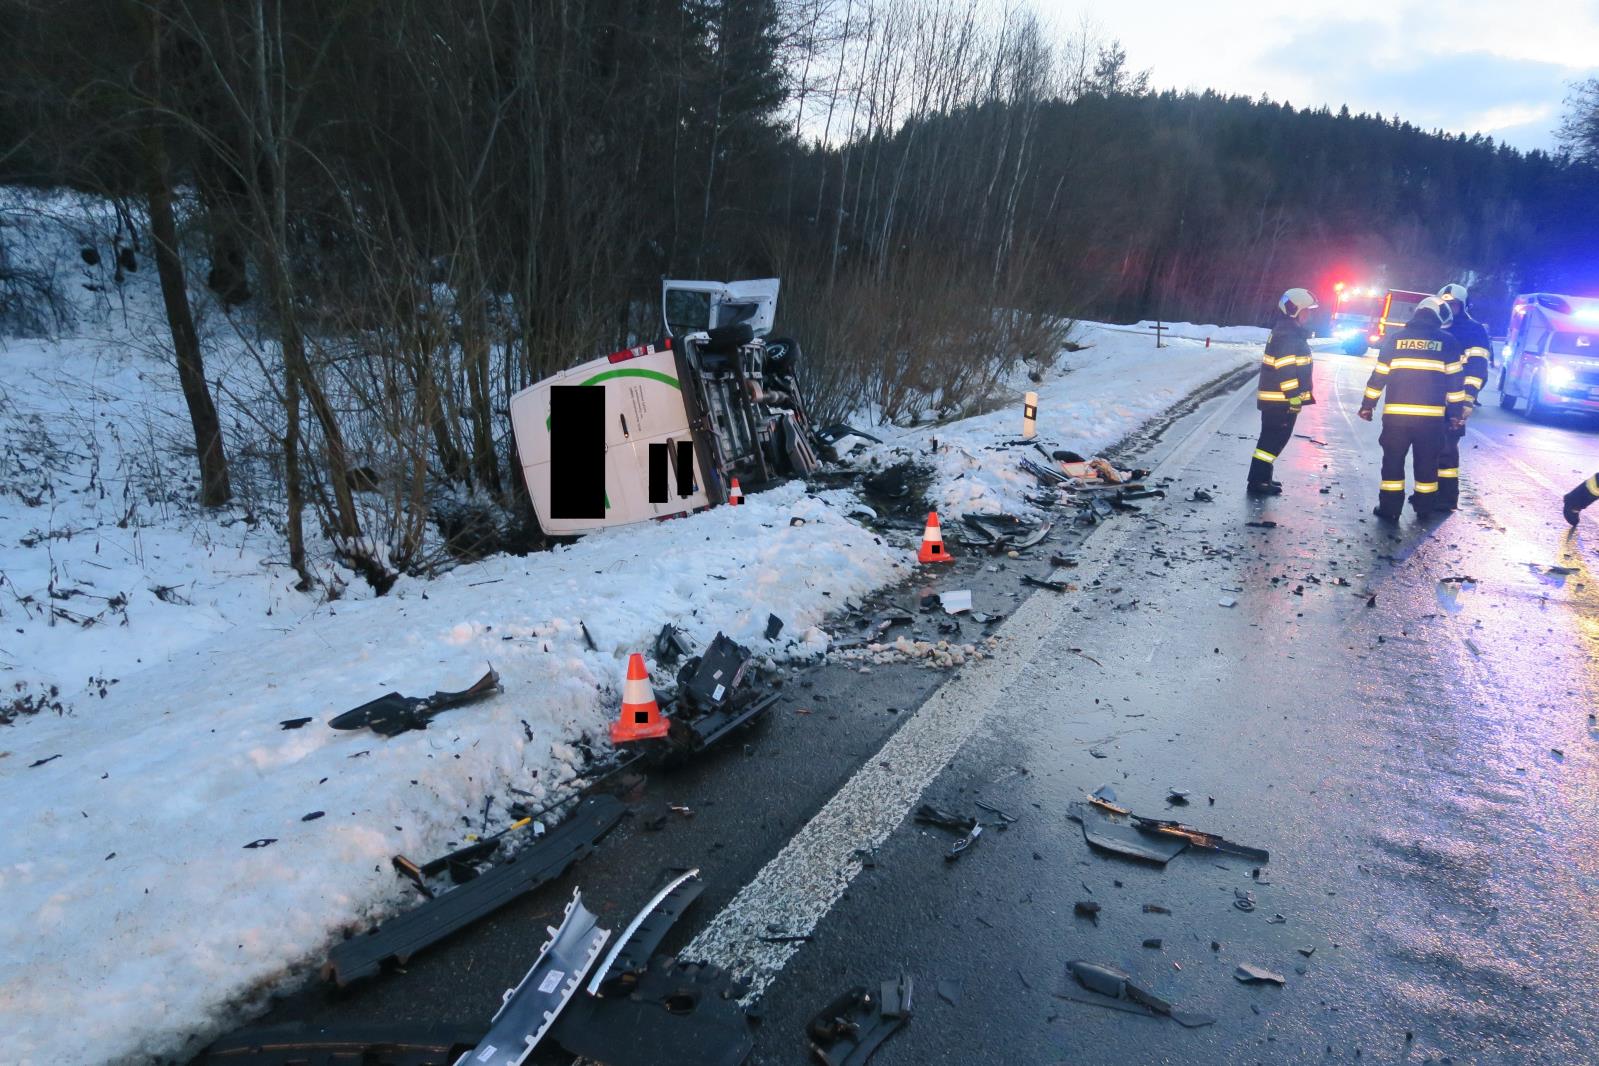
point(852, 1027)
point(528, 1010)
point(294, 723)
point(630, 952)
point(707, 682)
point(301, 1044)
point(1250, 974)
point(393, 714)
point(1103, 831)
point(671, 644)
point(539, 863)
point(774, 626)
point(1100, 985)
point(675, 1014)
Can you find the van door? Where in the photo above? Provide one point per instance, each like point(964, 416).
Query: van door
point(696, 306)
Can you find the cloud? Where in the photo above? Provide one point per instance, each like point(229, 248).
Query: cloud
point(1356, 63)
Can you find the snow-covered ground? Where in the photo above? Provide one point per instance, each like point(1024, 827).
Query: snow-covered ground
point(135, 917)
point(1090, 400)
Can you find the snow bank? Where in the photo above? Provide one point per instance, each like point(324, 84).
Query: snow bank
point(123, 872)
point(1091, 399)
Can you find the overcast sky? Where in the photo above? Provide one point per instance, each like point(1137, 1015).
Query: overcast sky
point(1494, 66)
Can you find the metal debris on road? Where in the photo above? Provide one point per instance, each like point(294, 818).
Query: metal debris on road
point(957, 601)
point(1105, 832)
point(849, 1030)
point(1099, 985)
point(1250, 974)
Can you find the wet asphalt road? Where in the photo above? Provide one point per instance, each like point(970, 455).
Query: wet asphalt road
point(1396, 759)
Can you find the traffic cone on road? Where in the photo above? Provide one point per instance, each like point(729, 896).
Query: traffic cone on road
point(933, 550)
point(735, 495)
point(641, 719)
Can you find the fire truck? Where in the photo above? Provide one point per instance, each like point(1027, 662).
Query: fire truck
point(1363, 315)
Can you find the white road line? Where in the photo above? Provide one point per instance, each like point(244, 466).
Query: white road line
point(794, 891)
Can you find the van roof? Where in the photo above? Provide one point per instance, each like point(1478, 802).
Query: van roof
point(1571, 312)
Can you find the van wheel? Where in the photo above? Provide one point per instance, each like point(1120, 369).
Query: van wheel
point(1535, 410)
point(1507, 401)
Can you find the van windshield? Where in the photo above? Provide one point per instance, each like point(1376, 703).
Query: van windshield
point(687, 311)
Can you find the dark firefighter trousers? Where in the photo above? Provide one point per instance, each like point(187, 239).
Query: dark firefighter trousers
point(1423, 440)
point(1276, 428)
point(1449, 469)
point(1584, 494)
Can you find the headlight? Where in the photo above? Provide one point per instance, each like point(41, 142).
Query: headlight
point(1559, 377)
point(1347, 331)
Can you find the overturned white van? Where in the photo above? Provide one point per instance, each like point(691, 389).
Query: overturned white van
point(655, 432)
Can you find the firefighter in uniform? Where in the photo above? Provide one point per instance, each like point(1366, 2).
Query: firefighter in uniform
point(1284, 387)
point(1473, 338)
point(1422, 370)
point(1581, 497)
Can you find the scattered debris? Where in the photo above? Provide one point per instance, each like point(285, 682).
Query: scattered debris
point(671, 1012)
point(262, 843)
point(313, 816)
point(294, 723)
point(927, 814)
point(41, 762)
point(851, 1028)
point(1177, 797)
point(1086, 908)
point(586, 638)
point(774, 626)
point(539, 863)
point(1262, 524)
point(1200, 839)
point(303, 1042)
point(1227, 601)
point(393, 714)
point(1201, 496)
point(1251, 974)
point(1156, 908)
point(529, 1009)
point(671, 644)
point(1152, 942)
point(1105, 986)
point(1102, 830)
point(1045, 583)
point(957, 601)
point(1243, 899)
point(959, 847)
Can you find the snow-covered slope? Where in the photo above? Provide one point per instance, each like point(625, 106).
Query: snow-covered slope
point(124, 880)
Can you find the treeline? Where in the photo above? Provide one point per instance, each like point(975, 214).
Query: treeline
point(433, 203)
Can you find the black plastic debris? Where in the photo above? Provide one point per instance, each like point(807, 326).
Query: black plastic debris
point(1152, 942)
point(393, 714)
point(1201, 496)
point(1100, 985)
point(1250, 974)
point(539, 863)
point(1263, 524)
point(774, 626)
point(673, 1012)
point(1045, 583)
point(927, 814)
point(671, 645)
point(262, 843)
point(304, 1044)
point(1104, 830)
point(630, 954)
point(849, 1030)
point(1198, 838)
point(707, 681)
point(313, 816)
point(41, 762)
point(1086, 908)
point(294, 723)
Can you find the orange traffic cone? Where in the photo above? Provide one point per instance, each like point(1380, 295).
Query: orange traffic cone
point(933, 550)
point(735, 495)
point(641, 719)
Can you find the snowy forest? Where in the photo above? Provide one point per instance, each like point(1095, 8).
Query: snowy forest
point(428, 206)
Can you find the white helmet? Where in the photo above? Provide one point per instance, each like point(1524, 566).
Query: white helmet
point(1296, 300)
point(1453, 292)
point(1438, 305)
